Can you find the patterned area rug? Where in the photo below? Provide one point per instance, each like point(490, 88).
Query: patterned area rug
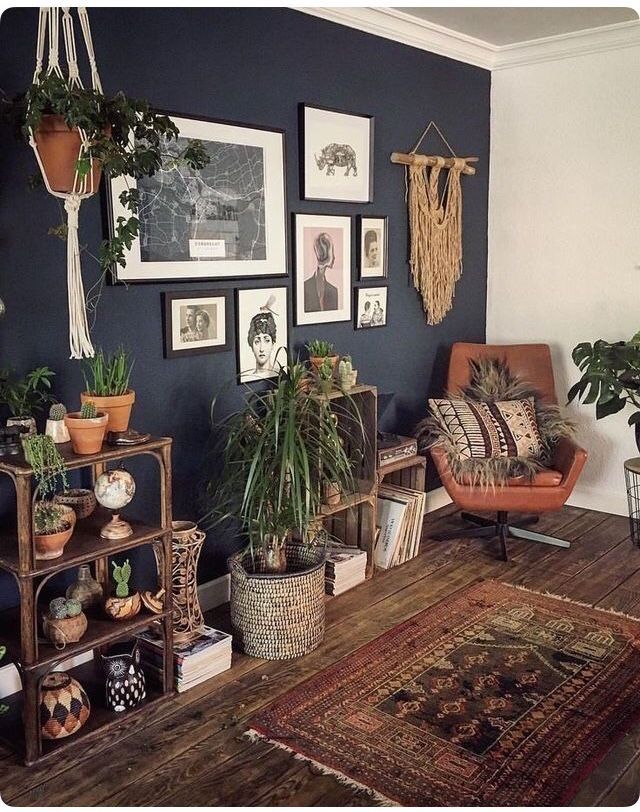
point(496, 696)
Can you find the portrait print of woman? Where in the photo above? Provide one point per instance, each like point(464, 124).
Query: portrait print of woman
point(372, 247)
point(262, 333)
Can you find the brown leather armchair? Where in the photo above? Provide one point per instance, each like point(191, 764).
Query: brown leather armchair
point(549, 489)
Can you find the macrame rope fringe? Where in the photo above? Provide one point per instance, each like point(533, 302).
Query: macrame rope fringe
point(79, 340)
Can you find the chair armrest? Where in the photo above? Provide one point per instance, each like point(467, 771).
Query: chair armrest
point(569, 459)
point(439, 457)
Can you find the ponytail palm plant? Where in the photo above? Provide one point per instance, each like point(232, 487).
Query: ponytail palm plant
point(276, 454)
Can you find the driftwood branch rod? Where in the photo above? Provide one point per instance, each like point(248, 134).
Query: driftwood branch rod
point(432, 160)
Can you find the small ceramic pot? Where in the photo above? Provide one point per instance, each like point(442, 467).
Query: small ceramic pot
point(86, 589)
point(27, 425)
point(87, 433)
point(82, 500)
point(354, 377)
point(123, 608)
point(64, 705)
point(117, 407)
point(318, 360)
point(125, 684)
point(63, 631)
point(57, 430)
point(52, 545)
point(332, 493)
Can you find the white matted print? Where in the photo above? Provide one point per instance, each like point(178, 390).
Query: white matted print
point(322, 268)
point(262, 333)
point(371, 307)
point(196, 323)
point(227, 219)
point(336, 151)
point(372, 247)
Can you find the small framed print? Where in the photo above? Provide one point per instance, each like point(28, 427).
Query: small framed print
point(196, 323)
point(336, 155)
point(372, 247)
point(371, 307)
point(322, 268)
point(262, 327)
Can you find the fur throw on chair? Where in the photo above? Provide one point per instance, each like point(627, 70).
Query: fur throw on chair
point(491, 381)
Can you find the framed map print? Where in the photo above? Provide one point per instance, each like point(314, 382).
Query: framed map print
point(226, 220)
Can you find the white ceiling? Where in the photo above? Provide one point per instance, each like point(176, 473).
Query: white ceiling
point(506, 26)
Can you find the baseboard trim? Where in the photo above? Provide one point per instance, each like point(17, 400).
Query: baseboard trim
point(598, 499)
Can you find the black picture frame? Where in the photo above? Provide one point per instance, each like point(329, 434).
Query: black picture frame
point(241, 374)
point(117, 275)
point(385, 250)
point(356, 310)
point(168, 297)
point(302, 141)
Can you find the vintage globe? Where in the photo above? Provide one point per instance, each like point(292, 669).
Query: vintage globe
point(115, 489)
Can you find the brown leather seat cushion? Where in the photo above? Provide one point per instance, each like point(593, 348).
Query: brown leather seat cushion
point(547, 478)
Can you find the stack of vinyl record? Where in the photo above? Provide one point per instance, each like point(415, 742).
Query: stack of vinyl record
point(345, 568)
point(400, 518)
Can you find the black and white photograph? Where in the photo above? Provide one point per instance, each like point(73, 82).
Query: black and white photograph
point(372, 247)
point(262, 338)
point(371, 307)
point(226, 220)
point(196, 323)
point(336, 154)
point(322, 268)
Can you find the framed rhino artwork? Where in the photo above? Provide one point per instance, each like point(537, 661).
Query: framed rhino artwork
point(336, 155)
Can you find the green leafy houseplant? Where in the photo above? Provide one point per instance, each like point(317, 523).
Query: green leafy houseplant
point(277, 453)
point(108, 375)
point(318, 348)
point(610, 377)
point(126, 136)
point(25, 396)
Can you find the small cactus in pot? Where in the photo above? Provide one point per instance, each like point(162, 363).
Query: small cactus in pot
point(57, 412)
point(58, 608)
point(123, 605)
point(87, 428)
point(88, 410)
point(65, 623)
point(56, 427)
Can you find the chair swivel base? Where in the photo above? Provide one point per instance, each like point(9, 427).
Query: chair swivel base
point(488, 528)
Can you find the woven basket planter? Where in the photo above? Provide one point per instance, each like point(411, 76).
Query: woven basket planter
point(279, 616)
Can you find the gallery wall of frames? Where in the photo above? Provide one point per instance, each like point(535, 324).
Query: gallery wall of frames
point(296, 229)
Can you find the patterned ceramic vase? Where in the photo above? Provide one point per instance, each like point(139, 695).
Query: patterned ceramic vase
point(64, 705)
point(86, 589)
point(125, 686)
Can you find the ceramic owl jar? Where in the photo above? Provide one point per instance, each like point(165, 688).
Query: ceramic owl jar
point(125, 686)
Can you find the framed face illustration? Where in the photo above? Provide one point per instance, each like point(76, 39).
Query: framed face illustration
point(262, 339)
point(372, 247)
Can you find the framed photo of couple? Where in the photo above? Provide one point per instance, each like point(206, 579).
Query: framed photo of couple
point(196, 322)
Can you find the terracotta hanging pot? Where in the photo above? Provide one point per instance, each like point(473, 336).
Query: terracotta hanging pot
point(59, 149)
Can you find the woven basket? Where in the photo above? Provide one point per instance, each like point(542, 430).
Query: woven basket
point(278, 617)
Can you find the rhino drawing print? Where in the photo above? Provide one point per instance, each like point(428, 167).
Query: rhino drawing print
point(341, 156)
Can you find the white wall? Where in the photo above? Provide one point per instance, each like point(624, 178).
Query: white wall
point(564, 233)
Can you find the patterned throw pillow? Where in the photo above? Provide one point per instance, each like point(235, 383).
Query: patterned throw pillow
point(507, 428)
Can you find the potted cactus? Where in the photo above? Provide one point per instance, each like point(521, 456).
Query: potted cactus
point(106, 380)
point(122, 606)
point(87, 428)
point(319, 350)
point(325, 376)
point(65, 623)
point(56, 428)
point(347, 373)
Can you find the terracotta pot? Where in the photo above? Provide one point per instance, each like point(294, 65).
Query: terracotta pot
point(52, 545)
point(117, 407)
point(332, 493)
point(87, 433)
point(59, 148)
point(63, 631)
point(318, 360)
point(123, 608)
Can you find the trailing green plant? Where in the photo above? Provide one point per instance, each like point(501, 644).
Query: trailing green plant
point(610, 376)
point(121, 575)
point(275, 455)
point(57, 411)
point(49, 518)
point(128, 138)
point(106, 375)
point(318, 348)
point(88, 410)
point(49, 467)
point(27, 395)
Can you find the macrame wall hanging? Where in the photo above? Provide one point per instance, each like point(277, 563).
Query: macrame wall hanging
point(435, 224)
point(42, 142)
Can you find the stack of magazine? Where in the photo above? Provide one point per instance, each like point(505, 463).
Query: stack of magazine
point(345, 568)
point(400, 515)
point(193, 662)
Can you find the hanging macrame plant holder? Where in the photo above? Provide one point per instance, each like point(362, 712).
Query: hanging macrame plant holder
point(58, 150)
point(435, 224)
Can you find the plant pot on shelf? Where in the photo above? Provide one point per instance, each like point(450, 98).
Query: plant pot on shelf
point(123, 608)
point(62, 631)
point(82, 500)
point(278, 616)
point(117, 407)
point(51, 545)
point(57, 430)
point(59, 150)
point(85, 589)
point(318, 360)
point(87, 433)
point(332, 493)
point(325, 386)
point(26, 425)
point(64, 705)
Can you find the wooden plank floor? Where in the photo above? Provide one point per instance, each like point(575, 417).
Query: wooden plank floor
point(191, 750)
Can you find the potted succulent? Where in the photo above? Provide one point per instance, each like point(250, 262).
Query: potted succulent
point(65, 622)
point(87, 428)
point(325, 376)
point(276, 453)
point(318, 350)
point(107, 385)
point(122, 605)
point(25, 396)
point(56, 428)
point(53, 524)
point(611, 374)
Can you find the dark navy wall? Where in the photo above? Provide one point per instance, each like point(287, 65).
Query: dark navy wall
point(253, 66)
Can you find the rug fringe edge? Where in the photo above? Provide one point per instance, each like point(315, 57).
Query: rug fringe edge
point(547, 594)
point(255, 736)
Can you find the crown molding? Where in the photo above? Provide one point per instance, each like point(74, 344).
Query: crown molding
point(409, 30)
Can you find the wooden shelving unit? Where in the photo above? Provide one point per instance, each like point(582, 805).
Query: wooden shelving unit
point(35, 657)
